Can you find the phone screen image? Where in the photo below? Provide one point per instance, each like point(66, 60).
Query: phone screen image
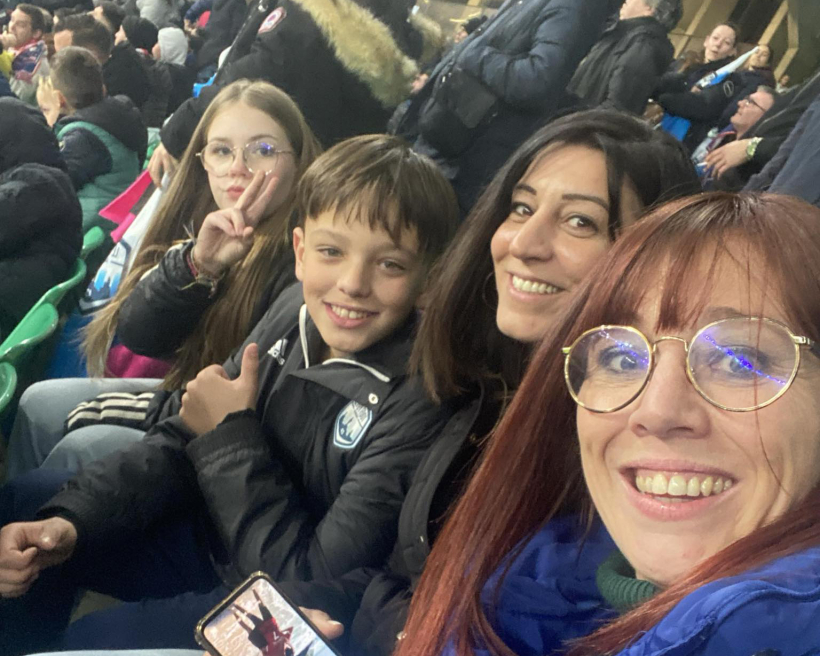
point(260, 622)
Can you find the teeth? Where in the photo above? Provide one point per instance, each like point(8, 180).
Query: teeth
point(707, 485)
point(659, 484)
point(530, 287)
point(679, 485)
point(344, 313)
point(693, 487)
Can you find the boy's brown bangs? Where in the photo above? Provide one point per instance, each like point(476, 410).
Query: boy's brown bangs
point(372, 205)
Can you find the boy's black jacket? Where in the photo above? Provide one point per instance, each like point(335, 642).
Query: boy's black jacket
point(282, 488)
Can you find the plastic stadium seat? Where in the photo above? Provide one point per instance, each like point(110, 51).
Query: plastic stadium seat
point(58, 292)
point(38, 324)
point(92, 240)
point(8, 383)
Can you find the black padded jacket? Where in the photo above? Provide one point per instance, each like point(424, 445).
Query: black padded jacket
point(308, 485)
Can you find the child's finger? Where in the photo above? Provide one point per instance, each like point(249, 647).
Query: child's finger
point(251, 191)
point(257, 209)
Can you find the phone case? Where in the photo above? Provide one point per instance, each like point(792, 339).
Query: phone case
point(257, 619)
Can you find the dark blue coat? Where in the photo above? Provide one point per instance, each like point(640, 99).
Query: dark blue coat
point(550, 597)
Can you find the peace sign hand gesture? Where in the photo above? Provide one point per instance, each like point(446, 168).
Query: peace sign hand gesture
point(226, 236)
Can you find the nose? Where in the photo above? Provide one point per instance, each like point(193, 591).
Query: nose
point(669, 405)
point(354, 280)
point(534, 239)
point(238, 166)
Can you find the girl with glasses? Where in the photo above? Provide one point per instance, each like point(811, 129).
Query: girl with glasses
point(188, 301)
point(655, 485)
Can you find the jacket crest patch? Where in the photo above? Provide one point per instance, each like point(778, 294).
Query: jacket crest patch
point(351, 424)
point(273, 19)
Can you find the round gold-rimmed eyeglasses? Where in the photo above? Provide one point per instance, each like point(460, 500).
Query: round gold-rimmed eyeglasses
point(258, 155)
point(738, 364)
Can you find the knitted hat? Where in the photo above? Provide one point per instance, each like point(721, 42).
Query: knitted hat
point(140, 32)
point(173, 45)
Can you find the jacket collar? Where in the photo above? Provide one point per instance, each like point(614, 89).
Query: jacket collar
point(365, 47)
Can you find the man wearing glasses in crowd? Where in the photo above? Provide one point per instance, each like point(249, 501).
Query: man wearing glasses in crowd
point(725, 149)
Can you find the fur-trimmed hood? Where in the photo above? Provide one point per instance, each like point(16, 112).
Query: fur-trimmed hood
point(365, 47)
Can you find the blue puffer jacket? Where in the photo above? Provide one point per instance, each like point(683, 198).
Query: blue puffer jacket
point(550, 597)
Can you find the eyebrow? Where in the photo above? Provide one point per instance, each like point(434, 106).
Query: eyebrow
point(326, 232)
point(717, 312)
point(253, 138)
point(521, 186)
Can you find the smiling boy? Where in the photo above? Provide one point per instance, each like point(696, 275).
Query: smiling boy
point(295, 463)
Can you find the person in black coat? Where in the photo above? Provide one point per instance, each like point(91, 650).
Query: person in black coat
point(499, 85)
point(40, 216)
point(623, 68)
point(143, 35)
point(223, 25)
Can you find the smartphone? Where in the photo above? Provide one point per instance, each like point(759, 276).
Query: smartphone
point(257, 619)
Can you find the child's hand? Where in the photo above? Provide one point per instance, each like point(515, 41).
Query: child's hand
point(27, 548)
point(226, 236)
point(212, 396)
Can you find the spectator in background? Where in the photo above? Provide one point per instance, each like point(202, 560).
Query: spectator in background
point(223, 25)
point(623, 68)
point(109, 14)
point(769, 134)
point(40, 217)
point(103, 140)
point(29, 51)
point(678, 95)
point(162, 13)
point(171, 51)
point(468, 27)
point(123, 71)
point(760, 63)
point(795, 168)
point(143, 35)
point(721, 149)
point(495, 88)
point(48, 32)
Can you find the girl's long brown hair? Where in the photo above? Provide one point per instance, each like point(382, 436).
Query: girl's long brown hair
point(181, 212)
point(531, 470)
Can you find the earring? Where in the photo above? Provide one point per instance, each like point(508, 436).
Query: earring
point(487, 280)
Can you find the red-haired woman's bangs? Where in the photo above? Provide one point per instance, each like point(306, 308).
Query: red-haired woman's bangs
point(677, 251)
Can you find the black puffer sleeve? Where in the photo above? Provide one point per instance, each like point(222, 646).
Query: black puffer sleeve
point(164, 308)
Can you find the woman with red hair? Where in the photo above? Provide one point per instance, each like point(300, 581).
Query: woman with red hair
point(655, 485)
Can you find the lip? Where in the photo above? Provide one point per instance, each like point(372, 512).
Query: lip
point(672, 512)
point(524, 297)
point(679, 466)
point(347, 322)
point(235, 190)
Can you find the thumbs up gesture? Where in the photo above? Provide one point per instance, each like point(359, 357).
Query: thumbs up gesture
point(212, 395)
point(27, 548)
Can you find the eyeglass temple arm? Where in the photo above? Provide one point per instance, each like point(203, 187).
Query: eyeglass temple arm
point(814, 347)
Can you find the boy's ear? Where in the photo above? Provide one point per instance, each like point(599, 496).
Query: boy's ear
point(61, 100)
point(299, 250)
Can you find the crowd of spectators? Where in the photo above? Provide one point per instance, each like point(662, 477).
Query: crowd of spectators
point(490, 343)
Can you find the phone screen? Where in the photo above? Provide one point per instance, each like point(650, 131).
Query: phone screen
point(257, 620)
